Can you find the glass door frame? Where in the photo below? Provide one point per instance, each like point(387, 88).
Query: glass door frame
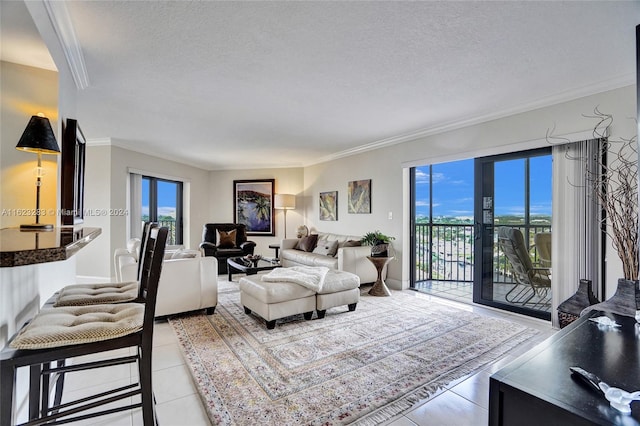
point(484, 232)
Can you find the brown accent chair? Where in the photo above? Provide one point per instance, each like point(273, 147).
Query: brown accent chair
point(212, 246)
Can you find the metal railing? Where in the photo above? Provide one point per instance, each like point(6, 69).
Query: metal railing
point(445, 252)
point(171, 224)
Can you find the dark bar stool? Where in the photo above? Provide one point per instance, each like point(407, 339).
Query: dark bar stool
point(57, 334)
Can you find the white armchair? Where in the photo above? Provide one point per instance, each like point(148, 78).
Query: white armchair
point(188, 281)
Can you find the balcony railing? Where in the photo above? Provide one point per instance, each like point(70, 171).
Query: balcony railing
point(171, 224)
point(446, 252)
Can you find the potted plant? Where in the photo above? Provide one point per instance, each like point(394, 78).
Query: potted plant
point(379, 243)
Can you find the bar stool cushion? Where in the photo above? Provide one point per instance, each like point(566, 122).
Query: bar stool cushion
point(55, 327)
point(97, 294)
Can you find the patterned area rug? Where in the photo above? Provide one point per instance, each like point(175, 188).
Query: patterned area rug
point(360, 367)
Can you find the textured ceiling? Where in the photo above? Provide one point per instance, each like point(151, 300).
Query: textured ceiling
point(275, 84)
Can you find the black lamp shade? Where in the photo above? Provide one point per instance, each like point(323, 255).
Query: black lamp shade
point(38, 137)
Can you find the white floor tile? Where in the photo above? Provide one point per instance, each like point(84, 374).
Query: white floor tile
point(173, 383)
point(475, 389)
point(163, 334)
point(166, 356)
point(180, 412)
point(449, 409)
point(122, 418)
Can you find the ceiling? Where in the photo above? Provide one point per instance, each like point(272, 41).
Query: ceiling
point(227, 85)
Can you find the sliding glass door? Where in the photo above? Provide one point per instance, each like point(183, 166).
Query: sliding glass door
point(457, 209)
point(513, 226)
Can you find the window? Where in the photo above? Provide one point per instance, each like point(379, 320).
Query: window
point(162, 203)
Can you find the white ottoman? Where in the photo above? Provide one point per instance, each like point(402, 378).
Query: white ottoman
point(274, 300)
point(339, 288)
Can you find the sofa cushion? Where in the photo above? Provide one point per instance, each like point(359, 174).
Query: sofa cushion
point(227, 239)
point(327, 248)
point(307, 243)
point(300, 257)
point(272, 292)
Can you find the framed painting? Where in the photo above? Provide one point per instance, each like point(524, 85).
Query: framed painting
point(253, 205)
point(72, 174)
point(329, 205)
point(359, 196)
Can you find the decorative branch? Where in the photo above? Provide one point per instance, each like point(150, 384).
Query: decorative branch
point(614, 186)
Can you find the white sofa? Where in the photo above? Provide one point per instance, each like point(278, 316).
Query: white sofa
point(349, 259)
point(188, 281)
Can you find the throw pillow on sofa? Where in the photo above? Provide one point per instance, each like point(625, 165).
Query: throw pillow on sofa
point(327, 248)
point(227, 239)
point(307, 243)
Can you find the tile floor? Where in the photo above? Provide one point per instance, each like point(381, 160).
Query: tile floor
point(463, 402)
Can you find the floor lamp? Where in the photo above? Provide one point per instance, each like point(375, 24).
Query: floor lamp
point(285, 202)
point(38, 138)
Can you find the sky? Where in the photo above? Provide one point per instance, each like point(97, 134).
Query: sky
point(166, 198)
point(453, 188)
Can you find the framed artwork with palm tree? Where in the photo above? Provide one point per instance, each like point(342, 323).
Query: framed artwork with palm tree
point(253, 205)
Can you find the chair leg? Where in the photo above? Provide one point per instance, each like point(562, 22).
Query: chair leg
point(7, 392)
point(57, 399)
point(37, 392)
point(148, 408)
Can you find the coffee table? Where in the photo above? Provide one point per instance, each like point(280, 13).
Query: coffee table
point(238, 265)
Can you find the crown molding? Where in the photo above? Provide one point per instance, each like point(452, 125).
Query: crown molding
point(99, 142)
point(612, 84)
point(61, 21)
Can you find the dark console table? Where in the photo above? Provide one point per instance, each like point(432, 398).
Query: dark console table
point(538, 388)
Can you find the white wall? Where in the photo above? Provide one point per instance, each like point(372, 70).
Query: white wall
point(106, 182)
point(26, 91)
point(383, 167)
point(287, 181)
point(210, 200)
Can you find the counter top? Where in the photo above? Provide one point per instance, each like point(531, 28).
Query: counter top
point(19, 248)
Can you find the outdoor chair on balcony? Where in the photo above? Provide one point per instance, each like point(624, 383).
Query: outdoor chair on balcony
point(542, 243)
point(531, 281)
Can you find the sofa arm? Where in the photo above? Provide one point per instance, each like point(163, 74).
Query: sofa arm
point(289, 243)
point(127, 272)
point(187, 285)
point(208, 248)
point(123, 262)
point(248, 247)
point(354, 260)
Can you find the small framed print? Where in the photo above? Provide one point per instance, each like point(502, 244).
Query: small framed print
point(329, 205)
point(359, 196)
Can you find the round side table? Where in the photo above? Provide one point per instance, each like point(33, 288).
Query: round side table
point(379, 288)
